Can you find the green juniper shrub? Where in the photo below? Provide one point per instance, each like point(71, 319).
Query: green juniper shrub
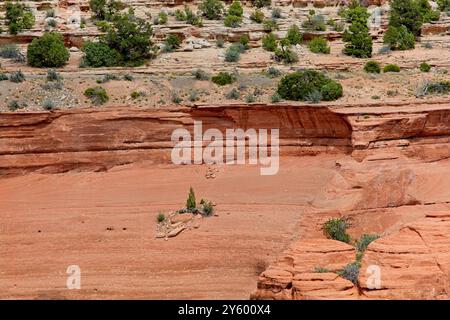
point(102, 25)
point(105, 9)
point(399, 38)
point(223, 78)
point(160, 217)
point(48, 51)
point(391, 68)
point(220, 43)
point(372, 67)
point(189, 16)
point(172, 42)
point(3, 77)
point(269, 42)
point(97, 95)
point(406, 13)
point(298, 85)
point(200, 74)
point(425, 67)
point(244, 40)
point(443, 5)
point(235, 9)
point(233, 94)
point(211, 9)
point(365, 240)
point(270, 25)
point(284, 53)
point(97, 54)
point(17, 77)
point(350, 272)
point(357, 38)
point(336, 228)
point(257, 16)
point(293, 35)
point(232, 21)
point(18, 18)
point(319, 45)
point(191, 204)
point(207, 207)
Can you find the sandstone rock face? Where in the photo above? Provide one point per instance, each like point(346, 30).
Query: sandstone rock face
point(293, 275)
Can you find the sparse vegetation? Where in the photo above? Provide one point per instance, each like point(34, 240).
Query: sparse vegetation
point(223, 78)
point(160, 217)
point(233, 94)
point(365, 240)
point(97, 95)
point(399, 38)
point(207, 207)
point(257, 16)
point(425, 67)
point(17, 77)
point(336, 228)
point(190, 202)
point(269, 42)
point(314, 22)
point(172, 42)
point(211, 9)
point(200, 74)
point(357, 37)
point(294, 35)
point(284, 53)
point(391, 68)
point(350, 272)
point(18, 18)
point(319, 45)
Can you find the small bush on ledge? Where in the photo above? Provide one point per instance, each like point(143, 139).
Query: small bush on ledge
point(391, 68)
point(97, 95)
point(336, 228)
point(372, 67)
point(223, 78)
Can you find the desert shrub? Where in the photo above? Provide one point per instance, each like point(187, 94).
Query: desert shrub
point(12, 51)
point(357, 38)
point(18, 18)
point(391, 68)
point(3, 77)
point(52, 23)
point(276, 13)
point(275, 98)
point(130, 36)
point(432, 87)
point(319, 45)
point(443, 5)
point(314, 22)
point(233, 94)
point(270, 25)
point(336, 228)
point(161, 18)
point(211, 9)
point(350, 272)
point(189, 16)
point(105, 9)
point(425, 67)
point(14, 105)
point(337, 26)
point(235, 9)
point(223, 78)
point(53, 75)
point(250, 98)
point(257, 16)
point(232, 54)
point(102, 25)
point(365, 240)
point(285, 53)
point(48, 105)
point(273, 72)
point(314, 97)
point(17, 77)
point(244, 40)
point(172, 42)
point(372, 67)
point(298, 85)
point(190, 202)
point(193, 95)
point(399, 38)
point(428, 14)
point(47, 51)
point(293, 35)
point(232, 21)
point(97, 95)
point(176, 98)
point(269, 42)
point(200, 74)
point(207, 207)
point(97, 54)
point(321, 270)
point(53, 85)
point(261, 3)
point(160, 217)
point(50, 13)
point(128, 77)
